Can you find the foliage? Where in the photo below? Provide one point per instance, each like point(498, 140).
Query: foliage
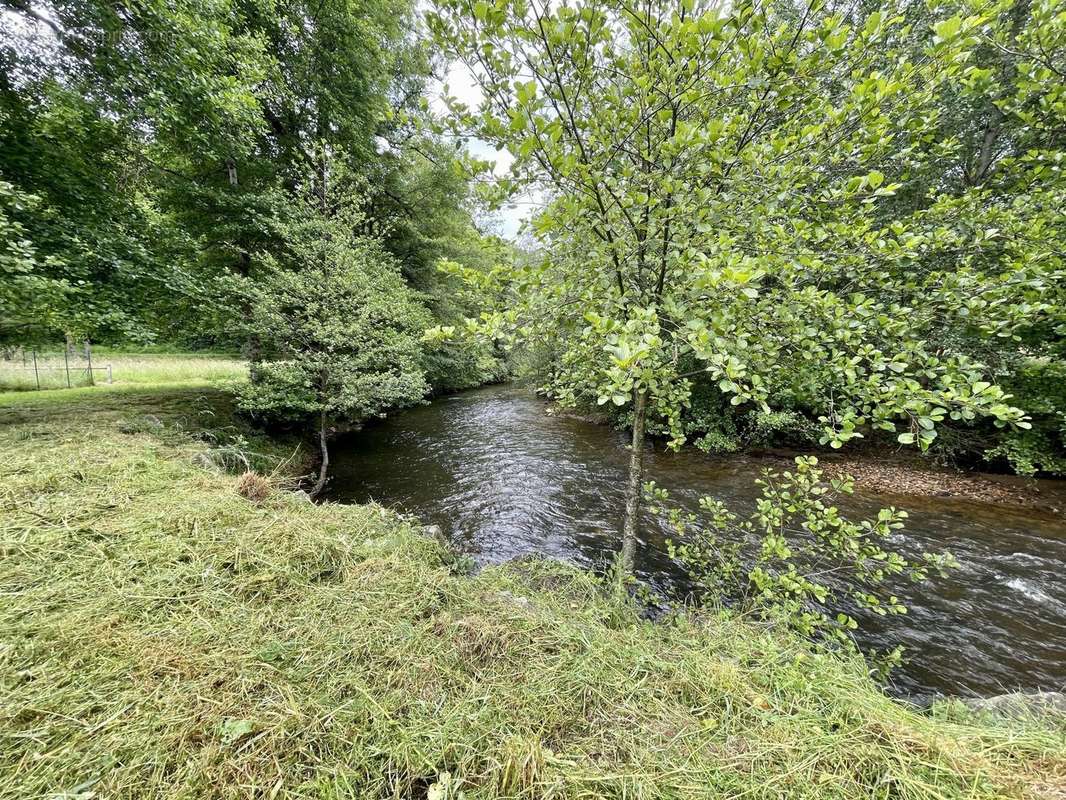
point(682, 272)
point(986, 203)
point(1031, 452)
point(302, 650)
point(1042, 449)
point(27, 297)
point(337, 327)
point(722, 184)
point(96, 221)
point(810, 563)
point(713, 425)
point(165, 142)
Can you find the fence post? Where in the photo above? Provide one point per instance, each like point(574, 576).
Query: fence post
point(89, 356)
point(36, 374)
point(109, 373)
point(66, 365)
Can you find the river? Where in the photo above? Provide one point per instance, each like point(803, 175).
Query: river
point(504, 478)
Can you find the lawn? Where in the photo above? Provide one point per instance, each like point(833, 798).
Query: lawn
point(53, 371)
point(163, 636)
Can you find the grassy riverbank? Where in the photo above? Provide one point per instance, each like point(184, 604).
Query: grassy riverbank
point(162, 636)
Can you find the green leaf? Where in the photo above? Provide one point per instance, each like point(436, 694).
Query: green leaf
point(948, 28)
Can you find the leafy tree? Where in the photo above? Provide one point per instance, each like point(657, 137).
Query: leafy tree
point(29, 298)
point(91, 223)
point(987, 209)
point(97, 100)
point(165, 140)
point(718, 179)
point(338, 328)
point(991, 206)
point(426, 208)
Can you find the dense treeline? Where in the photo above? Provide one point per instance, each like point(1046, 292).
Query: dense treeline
point(988, 279)
point(155, 155)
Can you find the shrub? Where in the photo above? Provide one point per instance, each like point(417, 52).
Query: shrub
point(807, 565)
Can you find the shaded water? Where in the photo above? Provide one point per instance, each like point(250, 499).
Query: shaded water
point(504, 479)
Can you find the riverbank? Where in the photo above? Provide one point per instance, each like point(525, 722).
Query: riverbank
point(899, 472)
point(164, 636)
point(914, 477)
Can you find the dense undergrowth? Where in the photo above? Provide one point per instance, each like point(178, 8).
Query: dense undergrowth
point(711, 424)
point(162, 636)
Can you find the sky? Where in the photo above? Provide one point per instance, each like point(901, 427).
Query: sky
point(462, 86)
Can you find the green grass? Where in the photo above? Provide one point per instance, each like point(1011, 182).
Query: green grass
point(126, 368)
point(161, 636)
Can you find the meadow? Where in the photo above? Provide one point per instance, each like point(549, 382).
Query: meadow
point(117, 367)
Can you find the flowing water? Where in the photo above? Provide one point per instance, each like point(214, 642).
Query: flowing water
point(503, 478)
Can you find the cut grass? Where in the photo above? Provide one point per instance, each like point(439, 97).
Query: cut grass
point(126, 368)
point(161, 636)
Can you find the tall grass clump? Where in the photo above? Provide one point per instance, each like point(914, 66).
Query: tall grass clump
point(163, 636)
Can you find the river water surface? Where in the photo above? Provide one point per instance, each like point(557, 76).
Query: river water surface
point(504, 478)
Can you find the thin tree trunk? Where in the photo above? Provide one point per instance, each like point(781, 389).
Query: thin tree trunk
point(633, 487)
point(321, 482)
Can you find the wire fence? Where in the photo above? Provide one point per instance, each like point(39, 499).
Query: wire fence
point(24, 369)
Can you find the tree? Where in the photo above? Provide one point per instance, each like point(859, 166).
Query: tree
point(992, 206)
point(338, 328)
point(717, 178)
point(28, 298)
point(163, 141)
point(98, 102)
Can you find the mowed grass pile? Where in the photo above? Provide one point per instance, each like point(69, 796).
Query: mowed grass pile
point(162, 636)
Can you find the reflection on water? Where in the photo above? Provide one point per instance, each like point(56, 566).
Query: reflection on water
point(503, 479)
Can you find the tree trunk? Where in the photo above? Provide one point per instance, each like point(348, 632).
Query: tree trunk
point(633, 487)
point(323, 183)
point(321, 482)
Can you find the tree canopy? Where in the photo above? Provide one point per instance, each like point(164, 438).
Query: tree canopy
point(755, 197)
point(157, 147)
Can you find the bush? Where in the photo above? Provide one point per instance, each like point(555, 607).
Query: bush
point(807, 564)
